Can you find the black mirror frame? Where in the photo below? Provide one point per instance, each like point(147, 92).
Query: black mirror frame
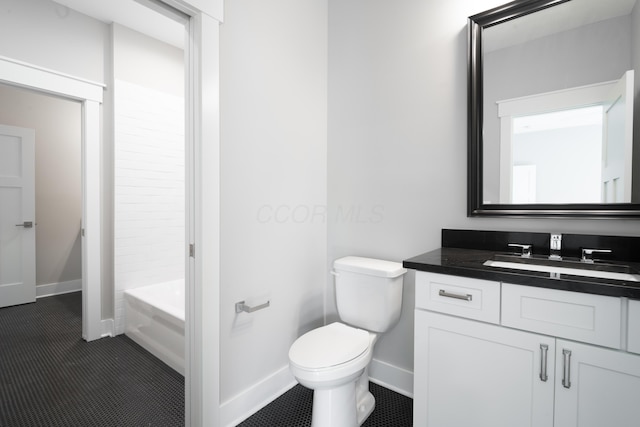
point(475, 207)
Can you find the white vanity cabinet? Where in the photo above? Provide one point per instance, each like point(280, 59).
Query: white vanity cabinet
point(527, 368)
point(596, 386)
point(474, 374)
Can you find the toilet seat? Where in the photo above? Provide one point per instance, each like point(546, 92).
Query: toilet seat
point(329, 346)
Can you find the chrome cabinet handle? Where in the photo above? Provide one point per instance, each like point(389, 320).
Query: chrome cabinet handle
point(544, 348)
point(26, 224)
point(466, 297)
point(566, 371)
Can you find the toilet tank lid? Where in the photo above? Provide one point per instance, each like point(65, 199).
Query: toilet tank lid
point(370, 266)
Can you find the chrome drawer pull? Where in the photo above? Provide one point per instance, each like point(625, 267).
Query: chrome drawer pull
point(543, 362)
point(466, 297)
point(566, 372)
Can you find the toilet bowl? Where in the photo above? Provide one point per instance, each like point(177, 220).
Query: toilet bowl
point(333, 360)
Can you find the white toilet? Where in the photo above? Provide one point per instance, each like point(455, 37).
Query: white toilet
point(333, 360)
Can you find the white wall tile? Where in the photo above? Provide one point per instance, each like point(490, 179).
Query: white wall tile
point(149, 196)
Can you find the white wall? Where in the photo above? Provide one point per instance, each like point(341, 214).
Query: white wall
point(46, 34)
point(57, 123)
point(52, 36)
point(398, 139)
point(149, 164)
point(273, 144)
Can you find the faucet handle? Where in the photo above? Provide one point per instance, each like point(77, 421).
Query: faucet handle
point(587, 254)
point(526, 249)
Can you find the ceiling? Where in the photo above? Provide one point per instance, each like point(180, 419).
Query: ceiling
point(133, 14)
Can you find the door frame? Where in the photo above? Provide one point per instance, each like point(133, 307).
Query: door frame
point(89, 94)
point(202, 332)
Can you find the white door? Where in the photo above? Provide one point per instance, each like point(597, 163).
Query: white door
point(596, 386)
point(17, 216)
point(470, 373)
point(617, 143)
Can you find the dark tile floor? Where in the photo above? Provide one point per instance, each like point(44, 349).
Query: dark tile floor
point(50, 377)
point(293, 409)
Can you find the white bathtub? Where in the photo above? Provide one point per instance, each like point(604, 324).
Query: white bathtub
point(154, 318)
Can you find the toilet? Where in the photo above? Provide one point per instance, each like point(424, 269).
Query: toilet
point(333, 360)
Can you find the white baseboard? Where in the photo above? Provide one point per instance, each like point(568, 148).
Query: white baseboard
point(392, 377)
point(59, 288)
point(251, 400)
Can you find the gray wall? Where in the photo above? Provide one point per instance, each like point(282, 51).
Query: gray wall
point(273, 107)
point(351, 116)
point(398, 138)
point(51, 36)
point(57, 123)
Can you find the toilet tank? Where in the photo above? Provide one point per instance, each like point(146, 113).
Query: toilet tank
point(369, 292)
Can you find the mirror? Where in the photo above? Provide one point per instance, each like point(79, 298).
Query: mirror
point(551, 109)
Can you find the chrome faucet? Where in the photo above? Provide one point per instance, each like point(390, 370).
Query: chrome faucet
point(555, 247)
point(526, 249)
point(587, 254)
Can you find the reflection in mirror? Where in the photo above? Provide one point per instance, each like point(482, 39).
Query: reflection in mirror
point(556, 103)
point(568, 146)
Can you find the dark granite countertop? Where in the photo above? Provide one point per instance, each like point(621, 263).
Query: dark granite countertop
point(469, 263)
point(463, 253)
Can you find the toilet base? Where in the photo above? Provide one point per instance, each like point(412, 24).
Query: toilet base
point(348, 405)
point(335, 407)
point(365, 400)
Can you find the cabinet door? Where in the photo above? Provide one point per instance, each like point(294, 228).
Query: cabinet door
point(596, 387)
point(469, 373)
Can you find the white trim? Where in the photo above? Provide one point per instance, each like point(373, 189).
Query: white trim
point(58, 288)
point(90, 94)
point(251, 400)
point(256, 397)
point(555, 100)
point(24, 74)
point(392, 377)
point(91, 222)
point(107, 328)
point(202, 327)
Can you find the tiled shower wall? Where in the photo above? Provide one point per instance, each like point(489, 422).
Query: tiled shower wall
point(149, 190)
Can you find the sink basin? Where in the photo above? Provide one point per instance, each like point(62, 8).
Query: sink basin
point(575, 268)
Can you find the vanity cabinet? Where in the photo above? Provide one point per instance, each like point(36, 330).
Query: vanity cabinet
point(596, 386)
point(469, 373)
point(553, 358)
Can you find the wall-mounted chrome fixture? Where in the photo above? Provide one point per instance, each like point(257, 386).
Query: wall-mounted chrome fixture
point(555, 246)
point(241, 306)
point(526, 249)
point(587, 254)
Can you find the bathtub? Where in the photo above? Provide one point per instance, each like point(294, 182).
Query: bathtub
point(154, 318)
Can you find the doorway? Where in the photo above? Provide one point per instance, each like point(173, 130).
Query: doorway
point(41, 236)
point(202, 94)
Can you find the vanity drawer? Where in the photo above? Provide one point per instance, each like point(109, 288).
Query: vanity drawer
point(576, 316)
point(633, 343)
point(459, 296)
